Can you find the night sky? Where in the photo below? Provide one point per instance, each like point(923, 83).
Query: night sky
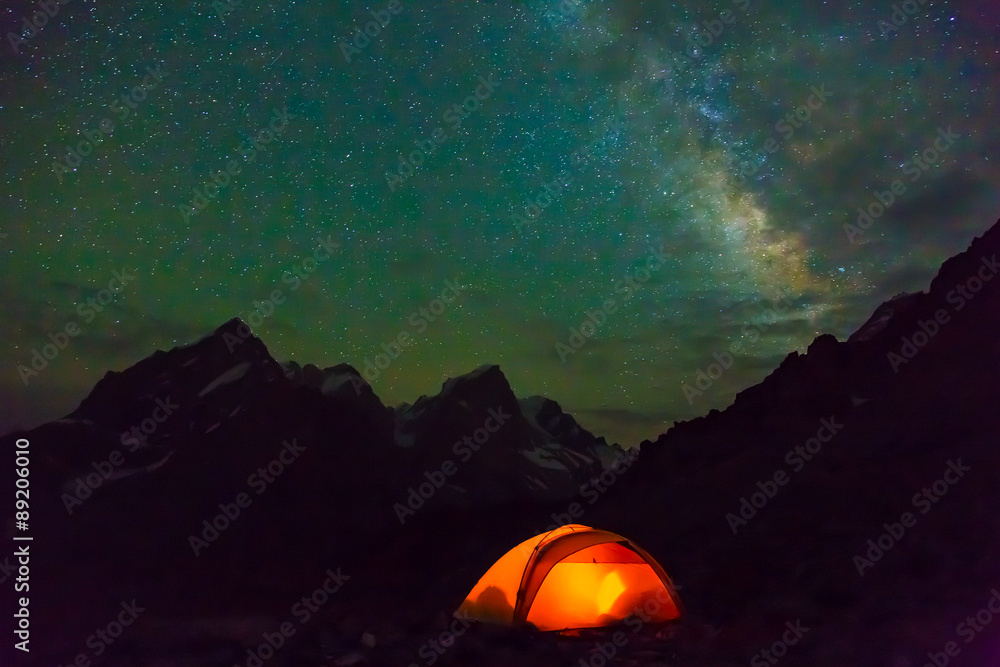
point(734, 139)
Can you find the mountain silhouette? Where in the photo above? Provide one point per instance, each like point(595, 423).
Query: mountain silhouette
point(213, 487)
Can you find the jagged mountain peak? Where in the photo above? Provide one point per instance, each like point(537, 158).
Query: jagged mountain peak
point(883, 315)
point(959, 268)
point(833, 376)
point(229, 354)
point(487, 378)
point(551, 418)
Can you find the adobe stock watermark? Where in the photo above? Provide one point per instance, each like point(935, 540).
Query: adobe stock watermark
point(959, 297)
point(454, 116)
point(650, 608)
point(535, 205)
point(248, 150)
point(597, 318)
point(137, 436)
point(582, 156)
point(787, 126)
point(779, 649)
point(419, 320)
point(924, 501)
point(566, 9)
point(124, 106)
point(87, 310)
point(104, 469)
point(303, 611)
point(713, 30)
point(593, 489)
point(363, 36)
point(22, 583)
point(797, 457)
point(914, 168)
point(104, 637)
point(605, 652)
point(432, 649)
point(226, 7)
point(259, 481)
point(901, 14)
point(968, 629)
point(47, 10)
point(7, 570)
point(464, 449)
point(705, 378)
point(301, 271)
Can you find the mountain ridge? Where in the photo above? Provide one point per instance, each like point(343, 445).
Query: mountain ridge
point(760, 512)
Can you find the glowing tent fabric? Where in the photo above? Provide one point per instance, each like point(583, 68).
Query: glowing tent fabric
point(572, 577)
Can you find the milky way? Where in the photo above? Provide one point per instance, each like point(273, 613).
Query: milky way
point(618, 192)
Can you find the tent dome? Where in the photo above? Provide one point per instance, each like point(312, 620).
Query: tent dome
point(572, 577)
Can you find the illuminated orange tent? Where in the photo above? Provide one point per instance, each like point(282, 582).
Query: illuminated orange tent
point(572, 577)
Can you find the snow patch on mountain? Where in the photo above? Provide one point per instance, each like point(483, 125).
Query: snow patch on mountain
point(544, 458)
point(334, 381)
point(882, 316)
point(232, 375)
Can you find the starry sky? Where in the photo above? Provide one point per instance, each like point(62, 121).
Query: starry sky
point(533, 154)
